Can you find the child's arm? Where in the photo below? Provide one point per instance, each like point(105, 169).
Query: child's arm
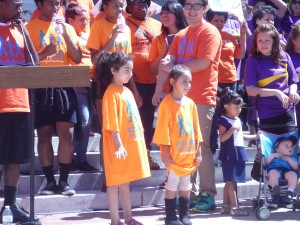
point(226, 134)
point(290, 161)
point(198, 158)
point(270, 158)
point(120, 150)
point(166, 156)
point(249, 137)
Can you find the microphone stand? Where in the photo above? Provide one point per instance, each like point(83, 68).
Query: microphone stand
point(31, 118)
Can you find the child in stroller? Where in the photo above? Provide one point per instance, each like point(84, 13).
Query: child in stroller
point(282, 164)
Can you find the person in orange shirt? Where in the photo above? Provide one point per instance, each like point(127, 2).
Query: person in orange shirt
point(231, 48)
point(199, 48)
point(178, 135)
point(78, 17)
point(143, 30)
point(173, 20)
point(107, 35)
point(15, 133)
point(125, 155)
point(55, 49)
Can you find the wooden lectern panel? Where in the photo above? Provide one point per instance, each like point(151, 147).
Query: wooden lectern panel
point(44, 76)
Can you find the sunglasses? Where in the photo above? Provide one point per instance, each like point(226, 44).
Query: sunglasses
point(296, 2)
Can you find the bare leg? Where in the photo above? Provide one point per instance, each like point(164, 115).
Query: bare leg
point(232, 194)
point(11, 174)
point(126, 201)
point(44, 145)
point(65, 132)
point(113, 204)
point(292, 179)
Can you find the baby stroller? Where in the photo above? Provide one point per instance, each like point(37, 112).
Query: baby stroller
point(266, 145)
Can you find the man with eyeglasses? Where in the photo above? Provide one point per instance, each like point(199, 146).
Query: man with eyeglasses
point(199, 47)
point(14, 105)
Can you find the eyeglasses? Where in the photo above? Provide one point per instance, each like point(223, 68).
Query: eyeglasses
point(189, 6)
point(296, 2)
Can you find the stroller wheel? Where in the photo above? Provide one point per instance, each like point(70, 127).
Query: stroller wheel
point(262, 213)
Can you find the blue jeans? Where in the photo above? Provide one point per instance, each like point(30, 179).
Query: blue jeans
point(80, 145)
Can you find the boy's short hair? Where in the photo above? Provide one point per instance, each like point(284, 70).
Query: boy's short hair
point(291, 138)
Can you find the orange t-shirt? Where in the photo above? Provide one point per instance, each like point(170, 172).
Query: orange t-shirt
point(141, 39)
point(230, 50)
point(158, 44)
point(12, 53)
point(42, 33)
point(101, 31)
point(193, 43)
point(121, 114)
point(178, 126)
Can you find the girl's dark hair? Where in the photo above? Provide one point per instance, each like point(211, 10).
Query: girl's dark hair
point(295, 32)
point(103, 65)
point(73, 10)
point(176, 72)
point(182, 2)
point(210, 15)
point(228, 97)
point(176, 9)
point(290, 7)
point(261, 12)
point(104, 2)
point(276, 53)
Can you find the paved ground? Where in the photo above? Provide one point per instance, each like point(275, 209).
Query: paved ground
point(155, 216)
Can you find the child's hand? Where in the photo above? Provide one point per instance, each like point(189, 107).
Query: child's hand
point(285, 158)
point(167, 160)
point(121, 152)
point(276, 155)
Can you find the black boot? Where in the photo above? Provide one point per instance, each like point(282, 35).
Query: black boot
point(170, 207)
point(184, 215)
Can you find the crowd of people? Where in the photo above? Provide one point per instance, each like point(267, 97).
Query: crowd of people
point(188, 67)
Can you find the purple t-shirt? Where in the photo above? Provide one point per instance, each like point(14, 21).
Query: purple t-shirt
point(265, 73)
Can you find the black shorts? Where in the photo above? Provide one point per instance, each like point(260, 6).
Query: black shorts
point(49, 116)
point(15, 138)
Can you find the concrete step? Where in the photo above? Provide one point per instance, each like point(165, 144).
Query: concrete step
point(96, 200)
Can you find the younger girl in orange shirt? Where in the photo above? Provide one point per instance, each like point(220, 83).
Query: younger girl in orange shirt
point(178, 135)
point(125, 154)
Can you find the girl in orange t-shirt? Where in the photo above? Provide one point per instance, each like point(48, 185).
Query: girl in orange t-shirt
point(178, 135)
point(125, 154)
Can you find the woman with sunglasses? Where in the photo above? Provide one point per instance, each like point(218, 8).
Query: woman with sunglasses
point(294, 7)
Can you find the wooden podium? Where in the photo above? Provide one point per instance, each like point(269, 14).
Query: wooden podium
point(32, 77)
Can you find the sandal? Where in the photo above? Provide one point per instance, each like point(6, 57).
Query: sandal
point(225, 209)
point(238, 212)
point(133, 222)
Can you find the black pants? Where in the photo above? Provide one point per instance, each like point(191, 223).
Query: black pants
point(147, 111)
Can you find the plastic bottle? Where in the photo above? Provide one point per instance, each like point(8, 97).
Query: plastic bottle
point(58, 27)
point(121, 21)
point(7, 217)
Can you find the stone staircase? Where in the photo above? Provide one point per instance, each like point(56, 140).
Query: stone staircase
point(88, 185)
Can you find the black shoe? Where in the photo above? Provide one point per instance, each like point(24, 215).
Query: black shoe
point(86, 167)
point(49, 189)
point(65, 189)
point(20, 215)
point(288, 198)
point(274, 202)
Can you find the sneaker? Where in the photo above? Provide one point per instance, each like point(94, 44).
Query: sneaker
point(205, 203)
point(153, 164)
point(65, 189)
point(49, 189)
point(86, 167)
point(238, 212)
point(133, 222)
point(288, 198)
point(274, 201)
point(20, 215)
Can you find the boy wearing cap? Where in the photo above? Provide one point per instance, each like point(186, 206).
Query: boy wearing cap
point(282, 164)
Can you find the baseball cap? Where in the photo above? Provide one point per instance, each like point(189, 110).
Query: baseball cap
point(138, 1)
point(291, 138)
